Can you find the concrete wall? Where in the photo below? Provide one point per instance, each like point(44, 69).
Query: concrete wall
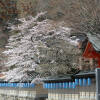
point(9, 93)
point(40, 92)
point(20, 94)
point(79, 93)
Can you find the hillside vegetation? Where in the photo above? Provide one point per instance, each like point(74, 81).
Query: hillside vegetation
point(81, 16)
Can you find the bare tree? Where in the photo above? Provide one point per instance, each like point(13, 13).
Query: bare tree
point(85, 16)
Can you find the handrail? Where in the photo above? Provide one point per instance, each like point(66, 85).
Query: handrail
point(17, 85)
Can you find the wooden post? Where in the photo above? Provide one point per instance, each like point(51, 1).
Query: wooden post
point(92, 64)
point(80, 63)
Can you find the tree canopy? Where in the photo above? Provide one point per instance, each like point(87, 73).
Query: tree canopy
point(40, 46)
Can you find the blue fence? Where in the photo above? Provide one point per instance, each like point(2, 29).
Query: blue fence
point(16, 85)
point(65, 85)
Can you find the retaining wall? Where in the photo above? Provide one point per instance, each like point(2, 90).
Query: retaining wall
point(87, 92)
point(21, 92)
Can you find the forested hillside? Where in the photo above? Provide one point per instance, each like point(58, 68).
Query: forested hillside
point(55, 54)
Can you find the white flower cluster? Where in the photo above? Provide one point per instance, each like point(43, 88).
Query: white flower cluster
point(22, 48)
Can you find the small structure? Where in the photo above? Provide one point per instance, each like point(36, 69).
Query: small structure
point(93, 48)
point(91, 52)
point(81, 86)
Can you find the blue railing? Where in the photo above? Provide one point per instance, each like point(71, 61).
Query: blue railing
point(83, 81)
point(70, 85)
point(16, 85)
